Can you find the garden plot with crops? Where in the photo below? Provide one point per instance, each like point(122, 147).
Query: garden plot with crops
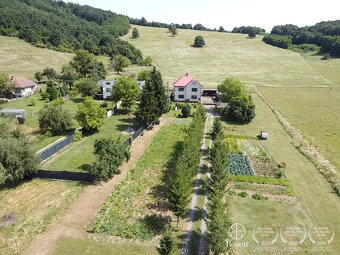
point(239, 164)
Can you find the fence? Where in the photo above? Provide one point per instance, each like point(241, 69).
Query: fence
point(54, 149)
point(135, 135)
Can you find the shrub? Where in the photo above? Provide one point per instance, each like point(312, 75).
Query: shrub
point(54, 119)
point(167, 243)
point(52, 91)
point(199, 41)
point(258, 196)
point(77, 135)
point(243, 194)
point(232, 193)
point(44, 96)
point(87, 87)
point(186, 110)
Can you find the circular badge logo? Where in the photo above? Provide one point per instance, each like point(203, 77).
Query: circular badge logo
point(321, 234)
point(293, 234)
point(265, 234)
point(237, 231)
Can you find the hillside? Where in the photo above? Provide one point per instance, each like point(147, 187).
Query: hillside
point(21, 58)
point(225, 54)
point(67, 27)
point(283, 76)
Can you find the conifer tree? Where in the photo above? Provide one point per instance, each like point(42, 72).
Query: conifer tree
point(167, 243)
point(161, 98)
point(217, 128)
point(179, 192)
point(147, 107)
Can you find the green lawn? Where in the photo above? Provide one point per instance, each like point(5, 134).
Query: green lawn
point(31, 127)
point(21, 58)
point(317, 198)
point(225, 54)
point(80, 155)
point(72, 246)
point(138, 209)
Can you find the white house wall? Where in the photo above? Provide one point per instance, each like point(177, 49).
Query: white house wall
point(188, 93)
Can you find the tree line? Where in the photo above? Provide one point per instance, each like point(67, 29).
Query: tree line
point(67, 27)
point(248, 30)
point(325, 34)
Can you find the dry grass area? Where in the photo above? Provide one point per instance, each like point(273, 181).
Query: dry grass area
point(21, 58)
point(33, 206)
point(225, 54)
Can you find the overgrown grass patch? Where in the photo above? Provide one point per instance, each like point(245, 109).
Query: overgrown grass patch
point(138, 209)
point(35, 206)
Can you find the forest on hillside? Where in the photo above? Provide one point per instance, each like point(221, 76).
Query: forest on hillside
point(325, 34)
point(67, 27)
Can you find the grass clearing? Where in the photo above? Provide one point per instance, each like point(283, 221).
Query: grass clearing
point(312, 190)
point(20, 58)
point(138, 208)
point(318, 118)
point(225, 54)
point(35, 206)
point(78, 156)
point(72, 246)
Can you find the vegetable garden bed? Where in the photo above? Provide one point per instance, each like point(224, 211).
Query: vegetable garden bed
point(239, 165)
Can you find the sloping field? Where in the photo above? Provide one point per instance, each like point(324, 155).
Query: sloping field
point(21, 58)
point(225, 54)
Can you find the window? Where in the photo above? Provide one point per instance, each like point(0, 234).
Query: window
point(194, 89)
point(180, 89)
point(180, 96)
point(193, 97)
point(108, 90)
point(108, 83)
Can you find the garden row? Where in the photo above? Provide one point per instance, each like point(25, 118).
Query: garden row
point(137, 208)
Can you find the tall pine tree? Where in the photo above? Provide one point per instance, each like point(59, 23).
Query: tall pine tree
point(147, 107)
point(161, 97)
point(179, 192)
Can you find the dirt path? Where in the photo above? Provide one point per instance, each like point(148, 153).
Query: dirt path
point(82, 213)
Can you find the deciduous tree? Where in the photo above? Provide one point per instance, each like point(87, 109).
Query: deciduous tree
point(126, 90)
point(119, 63)
point(87, 87)
point(54, 119)
point(230, 88)
point(90, 115)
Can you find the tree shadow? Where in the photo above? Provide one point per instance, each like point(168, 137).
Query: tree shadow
point(77, 100)
point(155, 223)
point(86, 168)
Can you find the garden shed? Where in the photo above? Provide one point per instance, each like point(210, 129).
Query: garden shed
point(12, 112)
point(264, 135)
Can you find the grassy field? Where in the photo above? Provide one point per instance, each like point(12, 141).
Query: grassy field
point(315, 112)
point(21, 58)
point(139, 210)
point(78, 156)
point(71, 246)
point(256, 63)
point(34, 206)
point(312, 190)
point(225, 54)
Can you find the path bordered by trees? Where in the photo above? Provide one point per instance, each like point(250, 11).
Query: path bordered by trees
point(195, 195)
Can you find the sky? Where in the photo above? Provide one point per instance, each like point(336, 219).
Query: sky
point(226, 13)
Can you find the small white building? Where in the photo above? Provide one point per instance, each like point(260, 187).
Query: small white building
point(187, 88)
point(23, 87)
point(107, 86)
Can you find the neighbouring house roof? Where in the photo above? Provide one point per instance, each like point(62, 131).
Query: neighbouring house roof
point(184, 80)
point(21, 82)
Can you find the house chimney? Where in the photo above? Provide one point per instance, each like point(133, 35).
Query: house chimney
point(186, 74)
point(11, 77)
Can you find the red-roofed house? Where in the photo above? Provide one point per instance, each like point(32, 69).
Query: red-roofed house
point(187, 88)
point(23, 86)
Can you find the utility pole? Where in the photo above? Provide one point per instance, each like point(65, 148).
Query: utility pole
point(168, 94)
